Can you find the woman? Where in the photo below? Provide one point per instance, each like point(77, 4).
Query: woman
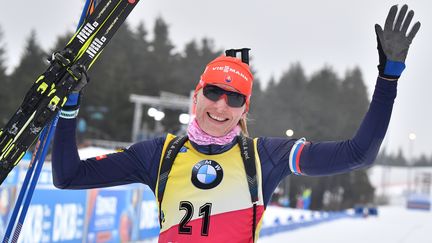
point(213, 185)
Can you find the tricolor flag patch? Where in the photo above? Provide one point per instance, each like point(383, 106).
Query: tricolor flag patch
point(294, 161)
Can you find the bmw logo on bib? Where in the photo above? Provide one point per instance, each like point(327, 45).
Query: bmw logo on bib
point(207, 174)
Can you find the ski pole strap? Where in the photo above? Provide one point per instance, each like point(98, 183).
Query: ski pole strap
point(71, 107)
point(167, 162)
point(66, 114)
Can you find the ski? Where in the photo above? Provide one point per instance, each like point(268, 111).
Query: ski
point(59, 62)
point(65, 80)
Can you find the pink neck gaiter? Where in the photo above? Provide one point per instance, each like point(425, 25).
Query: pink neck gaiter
point(198, 136)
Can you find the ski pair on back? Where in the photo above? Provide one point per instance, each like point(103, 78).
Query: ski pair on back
point(50, 91)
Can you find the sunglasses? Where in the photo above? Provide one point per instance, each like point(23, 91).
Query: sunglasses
point(233, 99)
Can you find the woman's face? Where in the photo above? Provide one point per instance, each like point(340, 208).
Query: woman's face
point(216, 118)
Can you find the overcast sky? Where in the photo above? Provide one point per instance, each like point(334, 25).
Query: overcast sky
point(337, 33)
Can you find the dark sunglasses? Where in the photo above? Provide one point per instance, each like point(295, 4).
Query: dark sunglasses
point(234, 99)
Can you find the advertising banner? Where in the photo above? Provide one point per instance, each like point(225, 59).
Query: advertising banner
point(112, 214)
point(7, 201)
point(149, 215)
point(117, 214)
point(55, 216)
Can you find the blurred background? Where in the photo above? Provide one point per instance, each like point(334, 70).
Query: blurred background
point(314, 64)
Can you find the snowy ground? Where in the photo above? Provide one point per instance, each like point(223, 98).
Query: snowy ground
point(393, 182)
point(394, 224)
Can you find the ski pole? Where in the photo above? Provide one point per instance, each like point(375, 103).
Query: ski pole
point(37, 161)
point(40, 157)
point(23, 191)
point(39, 164)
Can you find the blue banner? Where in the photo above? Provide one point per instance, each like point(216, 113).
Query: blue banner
point(149, 215)
point(117, 214)
point(55, 216)
point(12, 178)
point(7, 201)
point(112, 214)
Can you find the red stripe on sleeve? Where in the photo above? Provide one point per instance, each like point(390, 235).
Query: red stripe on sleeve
point(297, 159)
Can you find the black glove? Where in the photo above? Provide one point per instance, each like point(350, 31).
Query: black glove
point(71, 108)
point(393, 42)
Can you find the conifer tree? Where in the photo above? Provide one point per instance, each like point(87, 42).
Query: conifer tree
point(4, 84)
point(353, 102)
point(32, 64)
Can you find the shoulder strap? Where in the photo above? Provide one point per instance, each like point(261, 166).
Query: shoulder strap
point(248, 154)
point(167, 162)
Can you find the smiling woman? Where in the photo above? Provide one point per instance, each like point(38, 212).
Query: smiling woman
point(228, 78)
point(214, 183)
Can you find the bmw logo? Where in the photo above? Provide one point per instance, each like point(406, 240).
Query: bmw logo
point(207, 174)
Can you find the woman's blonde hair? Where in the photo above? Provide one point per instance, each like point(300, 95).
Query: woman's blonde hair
point(243, 126)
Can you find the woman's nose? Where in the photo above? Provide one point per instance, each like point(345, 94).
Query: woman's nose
point(222, 101)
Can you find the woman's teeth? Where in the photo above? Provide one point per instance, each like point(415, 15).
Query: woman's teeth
point(217, 118)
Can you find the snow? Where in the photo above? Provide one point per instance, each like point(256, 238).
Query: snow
point(393, 224)
point(392, 182)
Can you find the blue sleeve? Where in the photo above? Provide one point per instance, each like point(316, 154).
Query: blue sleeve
point(328, 158)
point(138, 163)
point(274, 155)
point(280, 157)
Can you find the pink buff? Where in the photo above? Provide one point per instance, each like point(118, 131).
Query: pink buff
point(198, 136)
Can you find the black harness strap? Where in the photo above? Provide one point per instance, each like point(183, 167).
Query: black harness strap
point(247, 154)
point(167, 162)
